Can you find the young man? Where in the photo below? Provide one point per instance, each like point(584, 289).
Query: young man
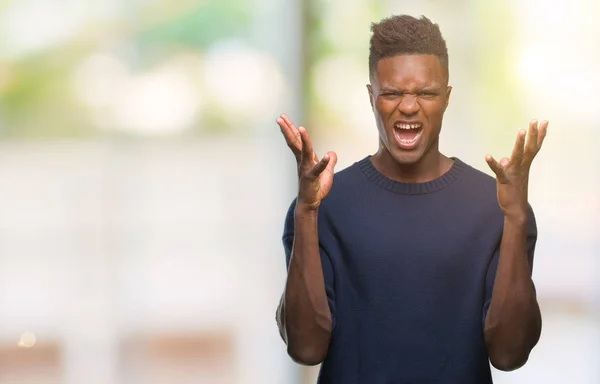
point(410, 266)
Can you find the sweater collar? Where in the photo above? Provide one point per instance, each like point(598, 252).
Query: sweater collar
point(366, 166)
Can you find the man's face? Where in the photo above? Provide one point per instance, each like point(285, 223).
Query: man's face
point(409, 94)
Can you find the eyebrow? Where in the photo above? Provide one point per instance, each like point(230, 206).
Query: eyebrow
point(427, 88)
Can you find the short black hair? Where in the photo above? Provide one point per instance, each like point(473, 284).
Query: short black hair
point(403, 34)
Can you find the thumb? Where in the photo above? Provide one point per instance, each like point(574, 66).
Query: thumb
point(332, 162)
point(497, 167)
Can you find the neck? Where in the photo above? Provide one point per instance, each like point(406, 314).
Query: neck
point(432, 165)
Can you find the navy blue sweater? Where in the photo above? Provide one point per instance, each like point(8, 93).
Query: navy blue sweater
point(409, 270)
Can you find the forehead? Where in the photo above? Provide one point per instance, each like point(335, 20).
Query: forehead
point(410, 70)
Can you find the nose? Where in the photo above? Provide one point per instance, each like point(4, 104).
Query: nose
point(409, 105)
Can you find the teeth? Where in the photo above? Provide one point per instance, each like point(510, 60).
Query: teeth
point(408, 126)
point(410, 141)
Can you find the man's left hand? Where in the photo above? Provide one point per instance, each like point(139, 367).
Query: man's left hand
point(512, 175)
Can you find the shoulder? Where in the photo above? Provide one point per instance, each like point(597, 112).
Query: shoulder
point(475, 198)
point(476, 178)
point(345, 191)
point(345, 181)
point(480, 190)
point(351, 176)
point(476, 186)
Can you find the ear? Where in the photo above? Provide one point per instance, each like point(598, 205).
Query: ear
point(448, 91)
point(370, 89)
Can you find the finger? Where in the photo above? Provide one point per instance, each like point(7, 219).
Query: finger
point(320, 167)
point(494, 165)
point(292, 128)
point(531, 147)
point(517, 154)
point(543, 129)
point(284, 124)
point(307, 151)
point(291, 135)
point(289, 123)
point(332, 162)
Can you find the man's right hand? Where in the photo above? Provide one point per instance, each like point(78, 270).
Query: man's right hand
point(304, 317)
point(315, 177)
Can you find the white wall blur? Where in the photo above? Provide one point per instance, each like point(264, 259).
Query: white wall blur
point(104, 242)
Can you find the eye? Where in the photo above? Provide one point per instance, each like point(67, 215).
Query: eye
point(389, 95)
point(427, 94)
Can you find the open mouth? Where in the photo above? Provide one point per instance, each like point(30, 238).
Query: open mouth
point(407, 134)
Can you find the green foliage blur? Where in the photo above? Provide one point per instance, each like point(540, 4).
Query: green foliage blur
point(37, 99)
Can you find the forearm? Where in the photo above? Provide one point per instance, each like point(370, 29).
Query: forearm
point(304, 315)
point(513, 321)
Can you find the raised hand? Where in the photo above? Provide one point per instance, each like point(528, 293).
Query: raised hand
point(315, 177)
point(292, 137)
point(512, 175)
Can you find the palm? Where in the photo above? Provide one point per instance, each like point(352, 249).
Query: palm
point(325, 183)
point(315, 177)
point(321, 188)
point(512, 175)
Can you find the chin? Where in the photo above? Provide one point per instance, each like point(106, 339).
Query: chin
point(404, 157)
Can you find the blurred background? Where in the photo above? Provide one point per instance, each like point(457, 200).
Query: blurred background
point(145, 182)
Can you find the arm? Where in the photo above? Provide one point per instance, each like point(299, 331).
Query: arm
point(513, 323)
point(303, 315)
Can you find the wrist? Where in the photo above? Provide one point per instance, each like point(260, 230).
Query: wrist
point(305, 210)
point(517, 218)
